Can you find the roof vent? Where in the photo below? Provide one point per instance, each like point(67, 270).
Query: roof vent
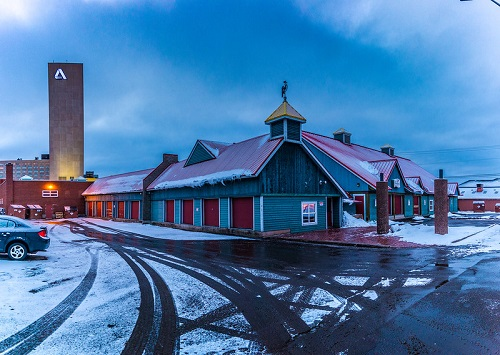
point(342, 135)
point(387, 149)
point(479, 187)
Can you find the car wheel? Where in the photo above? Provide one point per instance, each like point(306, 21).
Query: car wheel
point(17, 251)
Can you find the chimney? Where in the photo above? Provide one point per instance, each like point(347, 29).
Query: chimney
point(342, 135)
point(387, 149)
point(9, 185)
point(479, 187)
point(168, 159)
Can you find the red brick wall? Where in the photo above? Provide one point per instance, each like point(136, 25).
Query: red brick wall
point(466, 205)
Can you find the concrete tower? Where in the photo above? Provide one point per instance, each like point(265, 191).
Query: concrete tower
point(66, 120)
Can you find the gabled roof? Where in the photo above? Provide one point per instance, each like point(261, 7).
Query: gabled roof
point(384, 166)
point(410, 169)
point(453, 188)
point(235, 161)
point(285, 110)
point(122, 183)
point(204, 150)
point(368, 163)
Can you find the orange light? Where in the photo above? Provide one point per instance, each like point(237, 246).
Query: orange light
point(50, 187)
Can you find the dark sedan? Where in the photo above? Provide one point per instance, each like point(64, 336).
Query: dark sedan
point(19, 237)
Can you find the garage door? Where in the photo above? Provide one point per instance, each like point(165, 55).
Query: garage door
point(169, 211)
point(242, 212)
point(90, 209)
point(211, 212)
point(121, 209)
point(187, 211)
point(134, 210)
point(99, 209)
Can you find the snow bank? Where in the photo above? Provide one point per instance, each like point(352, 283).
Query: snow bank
point(350, 221)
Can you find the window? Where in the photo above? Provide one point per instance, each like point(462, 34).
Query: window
point(431, 205)
point(309, 213)
point(50, 193)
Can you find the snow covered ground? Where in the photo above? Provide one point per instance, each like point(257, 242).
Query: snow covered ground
point(476, 239)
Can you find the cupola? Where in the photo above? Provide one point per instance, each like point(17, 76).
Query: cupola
point(342, 135)
point(286, 122)
point(387, 149)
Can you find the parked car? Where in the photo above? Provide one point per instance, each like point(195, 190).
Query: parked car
point(19, 237)
point(2, 210)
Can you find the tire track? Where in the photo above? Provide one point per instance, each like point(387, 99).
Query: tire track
point(34, 334)
point(156, 328)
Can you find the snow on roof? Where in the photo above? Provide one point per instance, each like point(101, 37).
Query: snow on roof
point(122, 183)
point(214, 147)
point(234, 161)
point(352, 156)
point(495, 183)
point(414, 186)
point(471, 193)
point(452, 188)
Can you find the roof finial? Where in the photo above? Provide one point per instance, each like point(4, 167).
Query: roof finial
point(284, 88)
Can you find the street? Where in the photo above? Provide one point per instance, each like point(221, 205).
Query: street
point(109, 290)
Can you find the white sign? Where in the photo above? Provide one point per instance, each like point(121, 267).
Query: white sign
point(60, 75)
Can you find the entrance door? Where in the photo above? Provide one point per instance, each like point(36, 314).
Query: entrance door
point(90, 209)
point(360, 206)
point(99, 209)
point(416, 206)
point(242, 212)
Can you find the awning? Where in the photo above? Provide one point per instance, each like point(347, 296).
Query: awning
point(17, 206)
point(478, 203)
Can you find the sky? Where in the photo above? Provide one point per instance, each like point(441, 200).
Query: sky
point(423, 76)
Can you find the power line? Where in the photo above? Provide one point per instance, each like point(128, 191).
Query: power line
point(457, 150)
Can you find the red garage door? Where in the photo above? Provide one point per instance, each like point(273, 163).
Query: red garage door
point(242, 212)
point(134, 210)
point(211, 212)
point(90, 209)
point(169, 211)
point(187, 211)
point(121, 209)
point(109, 209)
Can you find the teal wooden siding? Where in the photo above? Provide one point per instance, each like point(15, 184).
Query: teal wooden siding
point(372, 208)
point(177, 211)
point(256, 213)
point(198, 221)
point(453, 204)
point(158, 211)
point(282, 213)
point(224, 212)
point(408, 207)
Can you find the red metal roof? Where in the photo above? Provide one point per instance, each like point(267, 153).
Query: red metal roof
point(359, 160)
point(235, 161)
point(128, 182)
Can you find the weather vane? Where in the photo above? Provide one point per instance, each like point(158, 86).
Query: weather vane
point(284, 88)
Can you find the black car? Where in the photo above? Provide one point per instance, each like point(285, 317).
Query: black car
point(19, 237)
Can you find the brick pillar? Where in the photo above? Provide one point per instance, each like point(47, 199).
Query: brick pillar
point(9, 186)
point(441, 206)
point(382, 207)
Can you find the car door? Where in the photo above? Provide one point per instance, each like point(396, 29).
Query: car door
point(7, 230)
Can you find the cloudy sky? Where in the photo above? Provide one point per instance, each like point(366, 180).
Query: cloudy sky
point(423, 76)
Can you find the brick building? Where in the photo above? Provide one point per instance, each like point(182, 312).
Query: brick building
point(41, 199)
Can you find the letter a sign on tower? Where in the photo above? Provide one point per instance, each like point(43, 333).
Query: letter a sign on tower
point(60, 75)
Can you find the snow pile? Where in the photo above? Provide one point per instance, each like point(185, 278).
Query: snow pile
point(350, 221)
point(482, 239)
